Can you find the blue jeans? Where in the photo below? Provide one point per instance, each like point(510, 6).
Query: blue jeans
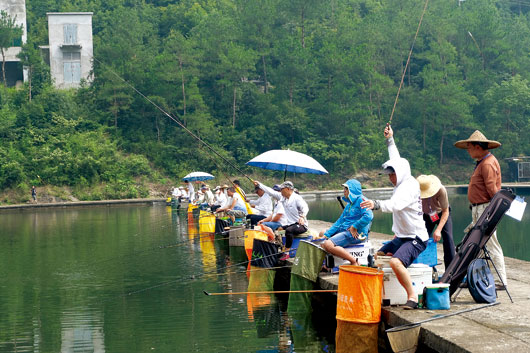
point(344, 239)
point(272, 225)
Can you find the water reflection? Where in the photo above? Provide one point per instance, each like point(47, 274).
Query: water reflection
point(102, 279)
point(82, 330)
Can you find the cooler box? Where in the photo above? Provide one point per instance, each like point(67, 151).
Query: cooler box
point(436, 296)
point(420, 274)
point(359, 251)
point(429, 256)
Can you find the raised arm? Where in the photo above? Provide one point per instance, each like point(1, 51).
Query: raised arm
point(390, 143)
point(277, 195)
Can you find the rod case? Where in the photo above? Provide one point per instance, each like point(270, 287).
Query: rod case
point(477, 237)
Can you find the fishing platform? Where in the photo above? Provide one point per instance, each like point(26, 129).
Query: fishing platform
point(501, 328)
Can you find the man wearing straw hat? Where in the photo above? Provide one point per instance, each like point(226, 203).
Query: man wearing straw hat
point(437, 213)
point(407, 222)
point(484, 183)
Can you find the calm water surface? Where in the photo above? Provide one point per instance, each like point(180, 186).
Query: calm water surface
point(131, 279)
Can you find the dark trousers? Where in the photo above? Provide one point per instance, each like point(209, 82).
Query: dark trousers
point(447, 235)
point(255, 218)
point(214, 207)
point(291, 231)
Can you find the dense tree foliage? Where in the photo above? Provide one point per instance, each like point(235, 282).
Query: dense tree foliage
point(246, 76)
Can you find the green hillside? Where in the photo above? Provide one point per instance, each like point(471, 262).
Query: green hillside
point(319, 77)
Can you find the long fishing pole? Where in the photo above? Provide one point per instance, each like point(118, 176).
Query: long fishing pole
point(276, 292)
point(174, 119)
point(408, 61)
point(436, 317)
point(245, 271)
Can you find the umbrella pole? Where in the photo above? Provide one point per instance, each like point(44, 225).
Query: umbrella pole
point(285, 174)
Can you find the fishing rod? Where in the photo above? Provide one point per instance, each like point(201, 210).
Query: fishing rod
point(174, 118)
point(276, 292)
point(436, 317)
point(408, 61)
point(245, 271)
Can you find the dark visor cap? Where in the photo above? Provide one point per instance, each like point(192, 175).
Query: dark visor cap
point(387, 171)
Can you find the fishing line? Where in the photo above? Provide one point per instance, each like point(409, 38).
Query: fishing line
point(275, 292)
point(174, 118)
point(191, 278)
point(155, 222)
point(408, 61)
point(245, 271)
point(152, 223)
point(160, 247)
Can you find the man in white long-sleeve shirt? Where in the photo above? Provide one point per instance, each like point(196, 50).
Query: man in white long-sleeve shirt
point(220, 197)
point(261, 208)
point(191, 191)
point(295, 208)
point(407, 218)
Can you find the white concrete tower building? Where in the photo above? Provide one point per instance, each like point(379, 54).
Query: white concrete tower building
point(16, 9)
point(71, 48)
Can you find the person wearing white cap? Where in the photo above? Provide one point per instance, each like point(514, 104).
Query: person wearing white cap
point(295, 208)
point(220, 198)
point(262, 207)
point(437, 213)
point(183, 192)
point(208, 195)
point(484, 183)
point(175, 194)
point(407, 218)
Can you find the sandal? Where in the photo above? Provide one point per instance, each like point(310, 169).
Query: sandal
point(410, 305)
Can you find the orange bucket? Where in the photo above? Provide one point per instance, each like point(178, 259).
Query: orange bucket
point(360, 294)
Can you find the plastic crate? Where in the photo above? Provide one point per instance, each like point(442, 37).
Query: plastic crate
point(296, 242)
point(429, 256)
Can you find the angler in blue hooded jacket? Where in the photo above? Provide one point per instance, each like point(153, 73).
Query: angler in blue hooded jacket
point(353, 225)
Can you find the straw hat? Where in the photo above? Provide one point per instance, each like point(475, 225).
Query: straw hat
point(429, 185)
point(477, 136)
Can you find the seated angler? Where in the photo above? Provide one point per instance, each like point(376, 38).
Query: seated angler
point(353, 225)
point(220, 198)
point(208, 195)
point(261, 208)
point(236, 206)
point(183, 193)
point(295, 208)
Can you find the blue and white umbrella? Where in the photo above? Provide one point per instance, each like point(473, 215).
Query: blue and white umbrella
point(198, 176)
point(287, 161)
